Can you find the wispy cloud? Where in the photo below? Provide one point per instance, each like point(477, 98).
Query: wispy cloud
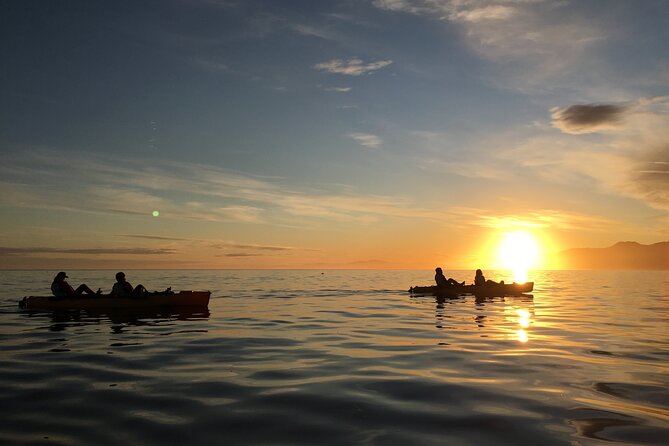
point(587, 118)
point(338, 89)
point(543, 39)
point(219, 248)
point(182, 191)
point(366, 140)
point(649, 179)
point(532, 219)
point(351, 67)
point(7, 251)
point(210, 64)
point(412, 6)
point(248, 214)
point(153, 237)
point(483, 13)
point(469, 169)
point(314, 31)
point(233, 245)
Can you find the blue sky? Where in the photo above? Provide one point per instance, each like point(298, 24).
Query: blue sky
point(299, 133)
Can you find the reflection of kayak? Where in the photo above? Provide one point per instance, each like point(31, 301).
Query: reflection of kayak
point(498, 289)
point(150, 300)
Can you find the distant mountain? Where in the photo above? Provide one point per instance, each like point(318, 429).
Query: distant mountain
point(622, 255)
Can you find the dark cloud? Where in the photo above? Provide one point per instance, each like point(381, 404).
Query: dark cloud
point(227, 245)
point(8, 251)
point(587, 118)
point(154, 237)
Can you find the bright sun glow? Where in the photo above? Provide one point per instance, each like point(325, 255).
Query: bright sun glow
point(518, 252)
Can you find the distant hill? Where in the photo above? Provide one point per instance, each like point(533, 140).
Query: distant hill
point(622, 255)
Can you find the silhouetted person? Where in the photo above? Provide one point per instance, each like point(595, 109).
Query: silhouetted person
point(123, 289)
point(61, 289)
point(442, 280)
point(479, 279)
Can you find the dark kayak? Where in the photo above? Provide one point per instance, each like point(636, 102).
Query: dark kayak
point(490, 290)
point(150, 300)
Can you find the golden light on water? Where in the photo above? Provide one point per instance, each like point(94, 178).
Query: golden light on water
point(523, 318)
point(522, 335)
point(524, 322)
point(518, 252)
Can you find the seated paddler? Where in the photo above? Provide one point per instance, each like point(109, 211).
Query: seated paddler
point(124, 289)
point(442, 281)
point(480, 279)
point(61, 289)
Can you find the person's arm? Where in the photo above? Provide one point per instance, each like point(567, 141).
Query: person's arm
point(64, 286)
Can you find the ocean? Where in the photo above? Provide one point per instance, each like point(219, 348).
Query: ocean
point(340, 357)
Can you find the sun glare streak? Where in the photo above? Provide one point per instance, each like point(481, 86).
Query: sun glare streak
point(518, 252)
point(522, 335)
point(523, 318)
point(524, 322)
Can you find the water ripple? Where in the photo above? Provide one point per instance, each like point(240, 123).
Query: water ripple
point(346, 357)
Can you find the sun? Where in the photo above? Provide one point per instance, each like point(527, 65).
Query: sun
point(518, 252)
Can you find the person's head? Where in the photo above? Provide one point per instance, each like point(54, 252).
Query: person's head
point(437, 270)
point(60, 276)
point(479, 272)
point(120, 276)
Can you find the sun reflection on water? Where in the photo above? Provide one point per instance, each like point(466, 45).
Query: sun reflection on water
point(523, 318)
point(522, 335)
point(524, 322)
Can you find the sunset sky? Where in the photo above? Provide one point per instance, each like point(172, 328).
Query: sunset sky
point(342, 134)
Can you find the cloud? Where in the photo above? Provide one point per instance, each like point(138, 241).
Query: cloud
point(247, 214)
point(7, 251)
point(411, 6)
point(588, 118)
point(219, 245)
point(366, 140)
point(226, 245)
point(351, 67)
point(212, 65)
point(252, 250)
point(545, 40)
point(182, 191)
point(538, 219)
point(630, 160)
point(650, 178)
point(469, 169)
point(483, 13)
point(339, 89)
point(154, 237)
point(313, 31)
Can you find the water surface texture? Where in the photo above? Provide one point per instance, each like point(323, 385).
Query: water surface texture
point(341, 357)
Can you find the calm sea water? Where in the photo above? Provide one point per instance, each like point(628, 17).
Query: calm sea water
point(341, 357)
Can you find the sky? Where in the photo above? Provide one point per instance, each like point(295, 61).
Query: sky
point(339, 134)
